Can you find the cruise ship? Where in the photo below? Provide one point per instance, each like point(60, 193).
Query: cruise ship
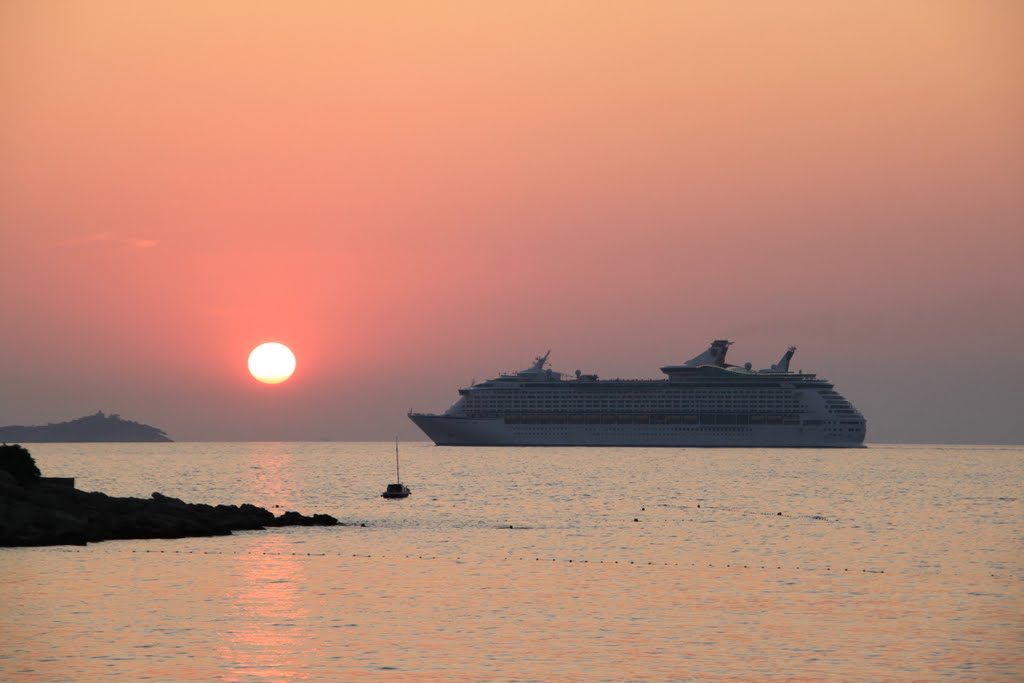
point(702, 402)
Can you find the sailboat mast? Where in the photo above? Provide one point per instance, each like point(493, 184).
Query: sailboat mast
point(398, 478)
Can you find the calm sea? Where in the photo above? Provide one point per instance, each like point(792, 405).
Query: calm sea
point(892, 563)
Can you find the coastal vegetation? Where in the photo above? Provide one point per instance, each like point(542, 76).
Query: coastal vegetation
point(19, 463)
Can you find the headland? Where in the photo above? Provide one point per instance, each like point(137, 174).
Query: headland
point(37, 511)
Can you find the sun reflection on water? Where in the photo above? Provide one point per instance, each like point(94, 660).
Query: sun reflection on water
point(271, 638)
point(269, 477)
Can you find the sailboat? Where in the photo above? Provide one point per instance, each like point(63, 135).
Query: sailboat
point(398, 489)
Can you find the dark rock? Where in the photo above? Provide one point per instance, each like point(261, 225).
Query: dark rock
point(54, 514)
point(324, 520)
point(296, 519)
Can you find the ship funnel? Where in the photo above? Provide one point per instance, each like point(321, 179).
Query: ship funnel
point(715, 355)
point(783, 364)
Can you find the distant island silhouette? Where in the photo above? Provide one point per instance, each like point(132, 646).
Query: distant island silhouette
point(97, 427)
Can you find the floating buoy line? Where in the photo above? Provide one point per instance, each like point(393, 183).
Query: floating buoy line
point(743, 511)
point(827, 568)
point(831, 568)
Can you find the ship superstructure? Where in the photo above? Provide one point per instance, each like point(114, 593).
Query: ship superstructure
point(702, 402)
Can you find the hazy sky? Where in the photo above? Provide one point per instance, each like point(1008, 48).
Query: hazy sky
point(413, 195)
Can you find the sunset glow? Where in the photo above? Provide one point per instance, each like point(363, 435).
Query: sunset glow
point(466, 340)
point(271, 363)
point(423, 193)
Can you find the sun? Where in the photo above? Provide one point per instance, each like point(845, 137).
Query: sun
point(271, 363)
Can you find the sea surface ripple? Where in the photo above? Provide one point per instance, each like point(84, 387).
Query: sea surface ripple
point(892, 563)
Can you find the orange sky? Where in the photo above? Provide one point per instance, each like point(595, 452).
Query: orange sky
point(411, 195)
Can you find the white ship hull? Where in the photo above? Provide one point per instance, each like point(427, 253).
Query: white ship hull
point(464, 431)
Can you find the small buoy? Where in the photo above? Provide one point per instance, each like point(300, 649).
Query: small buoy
point(780, 514)
point(698, 504)
point(635, 519)
point(642, 509)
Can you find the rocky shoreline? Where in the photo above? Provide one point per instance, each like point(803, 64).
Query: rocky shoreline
point(37, 512)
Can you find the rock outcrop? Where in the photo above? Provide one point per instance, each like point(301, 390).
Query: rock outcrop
point(46, 513)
